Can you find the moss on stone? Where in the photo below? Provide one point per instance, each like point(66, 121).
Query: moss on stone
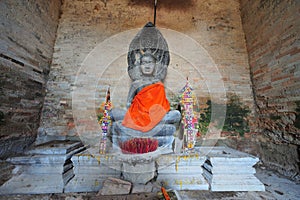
point(236, 116)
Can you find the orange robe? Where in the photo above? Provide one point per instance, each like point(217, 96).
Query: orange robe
point(147, 109)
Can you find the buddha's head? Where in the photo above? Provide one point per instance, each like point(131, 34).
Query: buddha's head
point(148, 64)
point(148, 54)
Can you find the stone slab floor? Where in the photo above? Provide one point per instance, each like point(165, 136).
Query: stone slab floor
point(277, 187)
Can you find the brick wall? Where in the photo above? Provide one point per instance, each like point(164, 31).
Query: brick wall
point(272, 34)
point(28, 30)
point(215, 25)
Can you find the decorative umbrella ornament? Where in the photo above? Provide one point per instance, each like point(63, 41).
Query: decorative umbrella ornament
point(189, 116)
point(105, 121)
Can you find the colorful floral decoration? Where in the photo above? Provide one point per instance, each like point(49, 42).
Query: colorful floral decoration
point(189, 116)
point(105, 121)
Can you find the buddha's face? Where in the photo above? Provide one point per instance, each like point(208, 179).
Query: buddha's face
point(147, 65)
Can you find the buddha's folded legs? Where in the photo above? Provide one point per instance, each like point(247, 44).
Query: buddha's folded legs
point(172, 117)
point(162, 132)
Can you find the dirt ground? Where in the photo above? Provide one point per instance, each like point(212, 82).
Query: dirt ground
point(277, 187)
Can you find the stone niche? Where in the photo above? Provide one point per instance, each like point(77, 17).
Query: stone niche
point(88, 26)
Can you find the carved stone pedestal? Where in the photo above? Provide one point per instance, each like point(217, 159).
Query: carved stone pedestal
point(139, 172)
point(91, 170)
point(46, 168)
point(182, 171)
point(227, 169)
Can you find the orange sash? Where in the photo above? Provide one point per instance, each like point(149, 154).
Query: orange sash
point(147, 109)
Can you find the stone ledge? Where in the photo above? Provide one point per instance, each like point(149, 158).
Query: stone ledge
point(194, 171)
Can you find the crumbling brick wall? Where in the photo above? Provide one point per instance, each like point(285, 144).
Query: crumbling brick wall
point(272, 35)
point(28, 30)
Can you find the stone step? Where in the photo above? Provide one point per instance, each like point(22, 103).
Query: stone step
point(52, 173)
point(183, 181)
point(218, 156)
point(85, 158)
point(193, 159)
point(87, 183)
point(46, 171)
point(100, 169)
point(180, 169)
point(86, 162)
point(33, 184)
point(44, 158)
point(227, 169)
point(43, 168)
point(232, 169)
point(220, 161)
point(138, 172)
point(229, 178)
point(229, 182)
point(37, 159)
point(55, 147)
point(39, 169)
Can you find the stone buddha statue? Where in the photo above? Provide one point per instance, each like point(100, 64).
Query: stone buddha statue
point(148, 110)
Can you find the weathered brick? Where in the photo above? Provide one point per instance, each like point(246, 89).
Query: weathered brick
point(27, 37)
point(272, 29)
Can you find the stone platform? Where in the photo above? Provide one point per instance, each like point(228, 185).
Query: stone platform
point(91, 170)
point(173, 171)
point(226, 169)
point(182, 171)
point(47, 168)
point(207, 168)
